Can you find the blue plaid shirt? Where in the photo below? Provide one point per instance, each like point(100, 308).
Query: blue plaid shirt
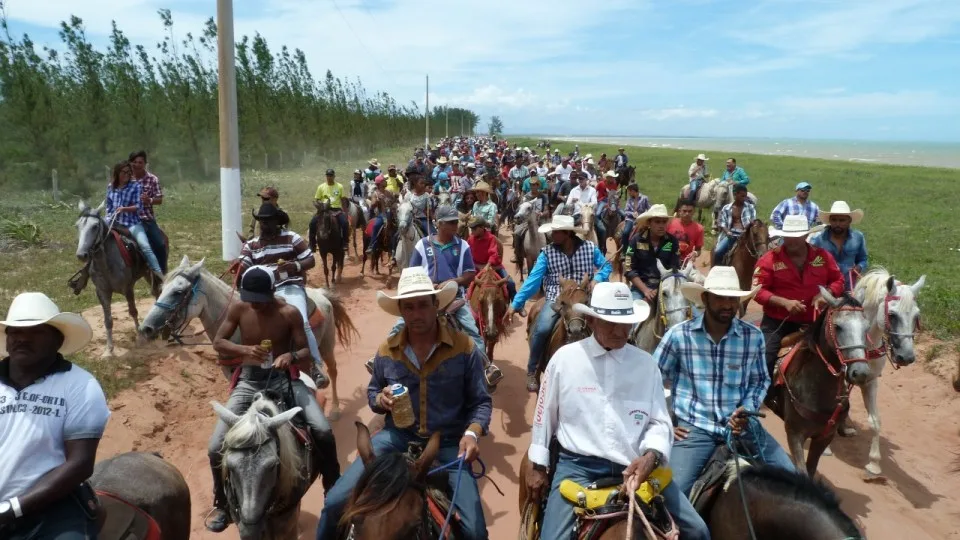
point(747, 214)
point(710, 380)
point(792, 207)
point(128, 195)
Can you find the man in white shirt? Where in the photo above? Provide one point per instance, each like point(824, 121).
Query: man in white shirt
point(612, 418)
point(52, 416)
point(564, 169)
point(583, 194)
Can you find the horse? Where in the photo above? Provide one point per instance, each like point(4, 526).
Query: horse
point(147, 483)
point(571, 327)
point(587, 229)
point(626, 176)
point(463, 224)
point(811, 390)
point(526, 252)
point(191, 292)
point(488, 301)
point(383, 245)
point(409, 236)
point(891, 309)
point(266, 470)
point(744, 254)
point(328, 238)
point(672, 308)
point(611, 222)
point(112, 270)
point(394, 496)
point(356, 220)
point(444, 197)
point(714, 194)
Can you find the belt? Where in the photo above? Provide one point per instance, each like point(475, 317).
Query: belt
point(256, 373)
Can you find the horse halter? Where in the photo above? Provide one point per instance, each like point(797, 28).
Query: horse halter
point(891, 338)
point(102, 233)
point(662, 310)
point(179, 310)
point(567, 322)
point(838, 349)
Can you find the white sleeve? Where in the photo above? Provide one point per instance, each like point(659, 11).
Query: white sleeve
point(545, 415)
point(570, 196)
point(658, 434)
point(87, 411)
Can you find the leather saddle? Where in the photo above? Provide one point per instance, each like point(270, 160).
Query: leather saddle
point(120, 520)
point(704, 490)
point(604, 502)
point(315, 317)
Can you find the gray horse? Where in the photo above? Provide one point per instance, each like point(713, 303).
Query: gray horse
point(151, 484)
point(105, 264)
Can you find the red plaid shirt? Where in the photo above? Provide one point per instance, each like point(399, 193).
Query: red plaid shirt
point(149, 186)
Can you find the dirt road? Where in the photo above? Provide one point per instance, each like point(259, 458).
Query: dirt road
point(169, 413)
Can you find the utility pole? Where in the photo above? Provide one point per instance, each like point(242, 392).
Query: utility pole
point(447, 122)
point(426, 144)
point(461, 125)
point(230, 207)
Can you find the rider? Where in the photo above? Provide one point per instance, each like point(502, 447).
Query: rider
point(647, 248)
point(713, 366)
point(697, 173)
point(484, 207)
point(151, 194)
point(432, 359)
point(566, 257)
point(382, 202)
point(268, 194)
point(800, 204)
point(331, 192)
point(441, 167)
point(733, 173)
point(469, 179)
point(602, 373)
point(485, 249)
point(540, 205)
point(687, 231)
point(620, 161)
point(442, 183)
point(420, 200)
point(260, 316)
point(54, 414)
point(518, 174)
point(733, 220)
point(579, 196)
point(790, 277)
point(637, 203)
point(273, 245)
point(607, 195)
point(564, 169)
point(394, 179)
point(124, 207)
point(846, 244)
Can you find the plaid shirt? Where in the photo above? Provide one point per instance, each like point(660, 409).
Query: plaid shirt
point(792, 207)
point(128, 195)
point(710, 380)
point(747, 214)
point(149, 186)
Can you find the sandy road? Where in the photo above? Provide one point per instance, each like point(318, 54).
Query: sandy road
point(921, 417)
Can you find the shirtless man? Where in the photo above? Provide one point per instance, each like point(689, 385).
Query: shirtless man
point(260, 316)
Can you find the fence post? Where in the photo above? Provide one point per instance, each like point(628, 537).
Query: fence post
point(56, 185)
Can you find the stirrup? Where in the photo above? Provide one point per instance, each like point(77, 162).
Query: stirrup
point(493, 375)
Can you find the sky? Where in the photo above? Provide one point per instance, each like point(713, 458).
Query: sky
point(819, 69)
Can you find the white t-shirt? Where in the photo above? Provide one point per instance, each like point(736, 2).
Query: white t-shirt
point(564, 172)
point(584, 196)
point(34, 423)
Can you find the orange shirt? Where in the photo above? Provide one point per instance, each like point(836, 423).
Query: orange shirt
point(690, 236)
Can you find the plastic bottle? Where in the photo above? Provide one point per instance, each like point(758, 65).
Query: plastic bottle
point(267, 345)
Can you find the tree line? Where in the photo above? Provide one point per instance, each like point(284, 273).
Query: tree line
point(84, 108)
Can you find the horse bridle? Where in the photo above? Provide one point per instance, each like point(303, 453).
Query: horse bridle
point(567, 322)
point(887, 341)
point(102, 234)
point(178, 310)
point(413, 449)
point(754, 247)
point(662, 310)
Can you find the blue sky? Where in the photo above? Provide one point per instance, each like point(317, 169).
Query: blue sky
point(843, 69)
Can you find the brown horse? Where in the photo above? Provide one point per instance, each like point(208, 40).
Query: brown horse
point(744, 254)
point(383, 245)
point(488, 301)
point(572, 328)
point(812, 383)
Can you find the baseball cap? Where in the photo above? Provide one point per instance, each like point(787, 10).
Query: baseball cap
point(804, 185)
point(447, 213)
point(269, 192)
point(331, 172)
point(256, 285)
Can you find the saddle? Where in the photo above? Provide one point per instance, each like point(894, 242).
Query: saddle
point(704, 489)
point(604, 503)
point(119, 520)
point(125, 243)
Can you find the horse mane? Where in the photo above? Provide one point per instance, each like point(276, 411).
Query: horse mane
point(250, 431)
point(873, 283)
point(813, 332)
point(380, 487)
point(177, 272)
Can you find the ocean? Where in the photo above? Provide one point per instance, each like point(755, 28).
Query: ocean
point(927, 154)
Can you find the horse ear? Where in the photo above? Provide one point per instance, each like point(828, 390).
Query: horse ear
point(663, 270)
point(102, 207)
point(82, 206)
point(586, 280)
point(918, 285)
point(195, 269)
point(364, 446)
point(184, 262)
point(428, 456)
point(891, 284)
point(276, 421)
point(831, 300)
point(225, 414)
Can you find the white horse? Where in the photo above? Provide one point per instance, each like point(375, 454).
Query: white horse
point(672, 309)
point(587, 213)
point(409, 235)
point(533, 239)
point(894, 317)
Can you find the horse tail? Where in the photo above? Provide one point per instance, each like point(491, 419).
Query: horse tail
point(346, 330)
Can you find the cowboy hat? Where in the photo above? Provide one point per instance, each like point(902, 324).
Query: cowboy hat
point(841, 208)
point(721, 281)
point(477, 221)
point(559, 223)
point(795, 226)
point(702, 157)
point(612, 302)
point(415, 282)
point(374, 162)
point(655, 211)
point(482, 186)
point(610, 174)
point(442, 160)
point(269, 211)
point(33, 309)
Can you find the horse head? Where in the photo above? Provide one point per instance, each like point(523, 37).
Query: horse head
point(672, 307)
point(523, 211)
point(444, 198)
point(892, 311)
point(572, 293)
point(489, 300)
point(757, 236)
point(180, 300)
point(839, 337)
point(262, 463)
point(404, 215)
point(389, 500)
point(92, 230)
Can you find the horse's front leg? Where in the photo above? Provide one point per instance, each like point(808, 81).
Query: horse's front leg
point(330, 360)
point(132, 307)
point(817, 446)
point(795, 440)
point(326, 270)
point(105, 297)
point(869, 391)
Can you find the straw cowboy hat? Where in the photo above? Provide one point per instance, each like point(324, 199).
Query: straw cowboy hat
point(374, 162)
point(442, 160)
point(559, 223)
point(482, 186)
point(702, 157)
point(655, 211)
point(33, 309)
point(721, 281)
point(841, 208)
point(795, 226)
point(612, 302)
point(610, 174)
point(415, 282)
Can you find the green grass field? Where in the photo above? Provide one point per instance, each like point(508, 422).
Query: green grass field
point(908, 210)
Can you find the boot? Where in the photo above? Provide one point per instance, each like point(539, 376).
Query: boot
point(327, 463)
point(79, 282)
point(319, 377)
point(533, 385)
point(219, 518)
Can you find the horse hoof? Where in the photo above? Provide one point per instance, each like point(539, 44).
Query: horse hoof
point(827, 451)
point(847, 432)
point(107, 353)
point(873, 476)
point(334, 414)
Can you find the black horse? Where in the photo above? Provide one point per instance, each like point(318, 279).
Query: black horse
point(326, 236)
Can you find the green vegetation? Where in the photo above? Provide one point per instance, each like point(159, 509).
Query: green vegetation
point(909, 216)
point(496, 126)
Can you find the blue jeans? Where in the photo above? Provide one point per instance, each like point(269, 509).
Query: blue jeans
point(296, 296)
point(689, 456)
point(155, 235)
point(388, 440)
point(465, 318)
point(559, 519)
point(426, 226)
point(542, 328)
point(723, 246)
point(627, 228)
point(139, 235)
point(511, 285)
point(62, 520)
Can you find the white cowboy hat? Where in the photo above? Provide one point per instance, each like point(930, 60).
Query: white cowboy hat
point(611, 174)
point(443, 159)
point(414, 281)
point(613, 302)
point(722, 281)
point(703, 157)
point(374, 162)
point(588, 156)
point(482, 186)
point(841, 208)
point(795, 226)
point(33, 309)
point(655, 211)
point(589, 161)
point(559, 223)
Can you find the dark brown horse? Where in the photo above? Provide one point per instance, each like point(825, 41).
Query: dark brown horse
point(488, 301)
point(328, 238)
point(383, 245)
point(811, 389)
point(572, 327)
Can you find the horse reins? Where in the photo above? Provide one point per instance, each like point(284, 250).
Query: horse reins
point(662, 310)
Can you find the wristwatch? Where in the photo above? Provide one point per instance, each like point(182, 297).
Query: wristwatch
point(657, 457)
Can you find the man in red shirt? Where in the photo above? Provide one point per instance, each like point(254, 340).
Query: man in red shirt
point(790, 277)
point(486, 250)
point(687, 231)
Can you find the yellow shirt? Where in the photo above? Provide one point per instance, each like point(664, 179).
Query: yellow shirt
point(332, 193)
point(393, 184)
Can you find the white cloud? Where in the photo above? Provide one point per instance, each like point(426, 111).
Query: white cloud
point(677, 113)
point(490, 96)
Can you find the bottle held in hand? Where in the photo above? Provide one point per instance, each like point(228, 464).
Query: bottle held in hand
point(267, 345)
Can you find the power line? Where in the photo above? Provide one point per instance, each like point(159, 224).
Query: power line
point(362, 44)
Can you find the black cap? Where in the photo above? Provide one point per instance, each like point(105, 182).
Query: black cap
point(331, 172)
point(256, 285)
